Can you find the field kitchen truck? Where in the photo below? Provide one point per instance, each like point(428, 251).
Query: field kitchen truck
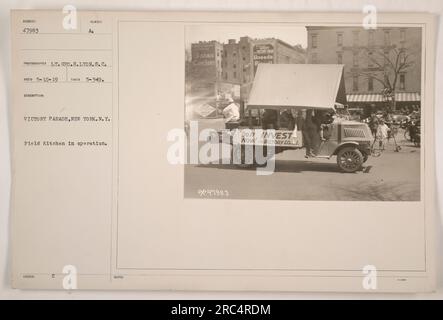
point(296, 89)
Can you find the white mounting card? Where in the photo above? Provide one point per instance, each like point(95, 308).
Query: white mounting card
point(127, 127)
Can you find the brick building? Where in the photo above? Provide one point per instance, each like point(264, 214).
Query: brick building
point(215, 70)
point(203, 72)
point(206, 61)
point(240, 59)
point(365, 52)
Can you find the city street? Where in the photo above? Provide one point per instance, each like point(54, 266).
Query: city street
point(318, 66)
point(391, 177)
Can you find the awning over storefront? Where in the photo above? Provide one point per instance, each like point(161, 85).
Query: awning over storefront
point(279, 86)
point(378, 97)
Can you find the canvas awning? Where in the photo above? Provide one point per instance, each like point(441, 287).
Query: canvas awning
point(279, 86)
point(378, 97)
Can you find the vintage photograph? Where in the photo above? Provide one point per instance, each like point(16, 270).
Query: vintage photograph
point(292, 112)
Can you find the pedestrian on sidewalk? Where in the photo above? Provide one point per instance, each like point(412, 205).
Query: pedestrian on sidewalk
point(382, 134)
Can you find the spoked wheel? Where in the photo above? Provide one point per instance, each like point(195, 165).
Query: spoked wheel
point(350, 159)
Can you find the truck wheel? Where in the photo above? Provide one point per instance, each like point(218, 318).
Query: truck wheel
point(349, 159)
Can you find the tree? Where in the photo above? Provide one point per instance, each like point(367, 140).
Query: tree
point(388, 64)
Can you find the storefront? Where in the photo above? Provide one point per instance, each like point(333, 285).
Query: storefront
point(409, 101)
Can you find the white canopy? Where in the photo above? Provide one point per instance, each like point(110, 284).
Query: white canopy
point(280, 86)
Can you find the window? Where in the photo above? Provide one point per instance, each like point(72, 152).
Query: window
point(370, 59)
point(371, 40)
point(402, 54)
point(387, 38)
point(235, 75)
point(370, 84)
point(234, 54)
point(403, 35)
point(340, 58)
point(234, 66)
point(386, 77)
point(355, 83)
point(402, 82)
point(244, 58)
point(355, 38)
point(355, 59)
point(339, 39)
point(314, 41)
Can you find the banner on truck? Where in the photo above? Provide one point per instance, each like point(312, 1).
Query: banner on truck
point(280, 138)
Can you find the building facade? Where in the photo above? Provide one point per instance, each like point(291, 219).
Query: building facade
point(235, 57)
point(206, 60)
point(240, 59)
point(369, 56)
point(214, 69)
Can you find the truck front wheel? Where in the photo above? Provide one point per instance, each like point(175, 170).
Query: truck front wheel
point(349, 159)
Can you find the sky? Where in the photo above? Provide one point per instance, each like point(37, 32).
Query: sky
point(291, 34)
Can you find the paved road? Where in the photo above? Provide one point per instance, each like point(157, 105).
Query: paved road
point(390, 177)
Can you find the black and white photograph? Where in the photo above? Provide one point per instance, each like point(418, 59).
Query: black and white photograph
point(282, 151)
point(303, 112)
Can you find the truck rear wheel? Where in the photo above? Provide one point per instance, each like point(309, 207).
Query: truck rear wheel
point(349, 159)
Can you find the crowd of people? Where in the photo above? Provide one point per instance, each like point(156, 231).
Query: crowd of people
point(313, 125)
point(384, 124)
